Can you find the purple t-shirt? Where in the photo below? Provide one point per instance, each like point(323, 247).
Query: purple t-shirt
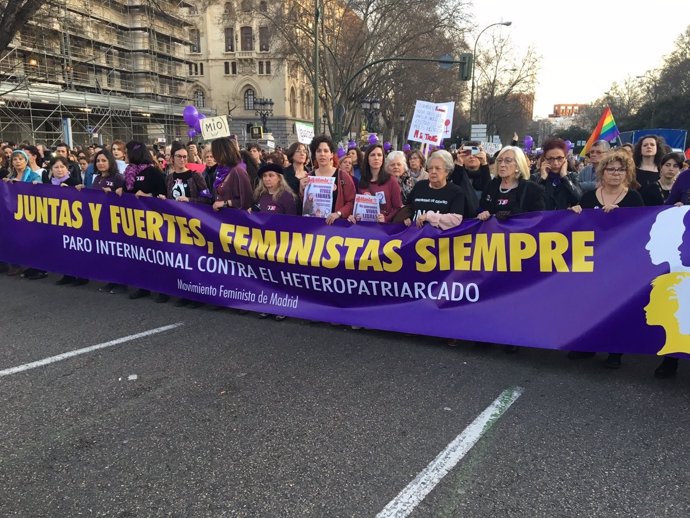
point(284, 205)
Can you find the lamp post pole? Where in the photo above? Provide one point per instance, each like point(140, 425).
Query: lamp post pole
point(318, 7)
point(474, 61)
point(263, 109)
point(401, 118)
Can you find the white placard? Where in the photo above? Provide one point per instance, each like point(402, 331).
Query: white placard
point(366, 208)
point(448, 123)
point(215, 127)
point(305, 132)
point(428, 123)
point(491, 148)
point(318, 196)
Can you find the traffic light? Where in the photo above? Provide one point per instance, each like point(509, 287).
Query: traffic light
point(466, 66)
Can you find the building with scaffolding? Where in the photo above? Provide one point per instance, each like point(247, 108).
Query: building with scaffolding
point(87, 71)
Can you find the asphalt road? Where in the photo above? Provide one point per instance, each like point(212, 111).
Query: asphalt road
point(230, 415)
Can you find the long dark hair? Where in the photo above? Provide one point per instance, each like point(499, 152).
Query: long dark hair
point(138, 153)
point(365, 179)
point(113, 169)
point(225, 152)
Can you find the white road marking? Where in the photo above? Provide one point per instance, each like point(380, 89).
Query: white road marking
point(417, 490)
point(77, 352)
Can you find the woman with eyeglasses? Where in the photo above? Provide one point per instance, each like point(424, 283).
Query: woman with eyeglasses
point(561, 187)
point(182, 184)
point(615, 174)
point(510, 192)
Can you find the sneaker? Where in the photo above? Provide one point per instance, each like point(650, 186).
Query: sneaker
point(117, 289)
point(667, 369)
point(280, 318)
point(263, 315)
point(107, 288)
point(14, 270)
point(613, 361)
point(66, 279)
point(139, 294)
point(35, 275)
point(579, 355)
point(162, 298)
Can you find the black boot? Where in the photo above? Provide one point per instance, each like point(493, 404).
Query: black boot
point(667, 369)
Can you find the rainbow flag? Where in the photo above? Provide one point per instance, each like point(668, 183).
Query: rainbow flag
point(606, 130)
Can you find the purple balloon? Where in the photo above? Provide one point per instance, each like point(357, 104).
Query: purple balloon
point(569, 145)
point(191, 133)
point(529, 141)
point(197, 126)
point(442, 145)
point(341, 152)
point(190, 115)
point(351, 144)
point(373, 139)
point(407, 147)
point(387, 146)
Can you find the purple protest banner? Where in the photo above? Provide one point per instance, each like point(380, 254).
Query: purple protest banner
point(555, 280)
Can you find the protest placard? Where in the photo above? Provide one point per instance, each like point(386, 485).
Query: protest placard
point(318, 196)
point(428, 123)
point(366, 208)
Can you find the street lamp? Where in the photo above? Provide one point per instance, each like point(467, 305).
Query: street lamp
point(401, 118)
point(474, 61)
point(371, 109)
point(324, 123)
point(264, 109)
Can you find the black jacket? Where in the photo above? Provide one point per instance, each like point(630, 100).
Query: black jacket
point(563, 195)
point(529, 195)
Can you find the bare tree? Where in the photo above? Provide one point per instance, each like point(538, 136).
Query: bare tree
point(359, 32)
point(15, 14)
point(505, 87)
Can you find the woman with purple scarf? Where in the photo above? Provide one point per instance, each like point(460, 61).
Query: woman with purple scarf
point(232, 187)
point(143, 179)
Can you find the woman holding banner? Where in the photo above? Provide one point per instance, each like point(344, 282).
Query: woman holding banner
point(182, 184)
point(615, 175)
point(437, 201)
point(378, 181)
point(511, 192)
point(561, 187)
point(344, 190)
point(232, 188)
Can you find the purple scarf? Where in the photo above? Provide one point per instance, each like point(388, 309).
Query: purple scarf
point(131, 173)
point(221, 173)
point(58, 181)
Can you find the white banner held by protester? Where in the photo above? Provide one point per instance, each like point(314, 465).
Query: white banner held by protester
point(366, 208)
point(428, 123)
point(305, 133)
point(318, 196)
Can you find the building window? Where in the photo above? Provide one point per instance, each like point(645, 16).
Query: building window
point(263, 39)
point(228, 10)
point(230, 68)
point(247, 38)
point(249, 99)
point(201, 69)
point(301, 102)
point(195, 37)
point(261, 68)
point(229, 39)
point(247, 5)
point(268, 68)
point(293, 103)
point(198, 97)
point(196, 69)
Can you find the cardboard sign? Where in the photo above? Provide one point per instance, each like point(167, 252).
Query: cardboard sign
point(215, 127)
point(428, 123)
point(305, 132)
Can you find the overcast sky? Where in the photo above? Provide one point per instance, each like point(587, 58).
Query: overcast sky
point(586, 45)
